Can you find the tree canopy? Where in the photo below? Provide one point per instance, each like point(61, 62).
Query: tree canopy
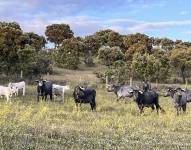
point(56, 33)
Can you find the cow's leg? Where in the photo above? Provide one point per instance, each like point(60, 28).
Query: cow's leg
point(51, 98)
point(125, 100)
point(7, 97)
point(159, 107)
point(177, 111)
point(17, 92)
point(118, 98)
point(92, 106)
point(152, 107)
point(38, 98)
point(63, 97)
point(141, 109)
point(45, 97)
point(184, 108)
point(24, 91)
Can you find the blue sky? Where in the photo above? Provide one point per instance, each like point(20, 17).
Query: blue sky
point(158, 18)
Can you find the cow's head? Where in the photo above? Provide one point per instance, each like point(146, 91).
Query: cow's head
point(137, 94)
point(110, 87)
point(40, 86)
point(78, 92)
point(170, 91)
point(67, 87)
point(14, 90)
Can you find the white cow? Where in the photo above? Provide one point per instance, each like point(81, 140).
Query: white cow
point(6, 92)
point(59, 90)
point(18, 86)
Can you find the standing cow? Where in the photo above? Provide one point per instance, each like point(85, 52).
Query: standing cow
point(18, 86)
point(180, 98)
point(85, 95)
point(6, 92)
point(44, 88)
point(59, 90)
point(147, 99)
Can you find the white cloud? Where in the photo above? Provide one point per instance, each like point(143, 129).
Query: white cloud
point(189, 32)
point(184, 12)
point(150, 26)
point(84, 25)
point(35, 15)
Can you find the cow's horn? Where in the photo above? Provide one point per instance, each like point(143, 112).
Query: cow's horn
point(141, 92)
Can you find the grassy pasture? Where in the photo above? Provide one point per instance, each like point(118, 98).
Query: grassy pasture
point(26, 124)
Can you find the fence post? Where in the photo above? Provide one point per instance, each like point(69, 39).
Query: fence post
point(186, 84)
point(157, 83)
point(130, 81)
point(21, 75)
point(106, 81)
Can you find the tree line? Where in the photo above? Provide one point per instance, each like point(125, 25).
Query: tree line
point(135, 56)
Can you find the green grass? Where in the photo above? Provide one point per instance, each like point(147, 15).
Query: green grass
point(26, 124)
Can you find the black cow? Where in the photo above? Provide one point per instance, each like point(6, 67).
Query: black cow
point(85, 95)
point(180, 98)
point(44, 88)
point(147, 99)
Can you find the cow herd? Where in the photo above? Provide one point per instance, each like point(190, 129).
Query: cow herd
point(144, 97)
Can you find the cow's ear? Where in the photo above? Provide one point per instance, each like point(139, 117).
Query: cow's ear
point(37, 81)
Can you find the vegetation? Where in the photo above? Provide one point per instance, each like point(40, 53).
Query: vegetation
point(136, 56)
point(56, 33)
point(20, 53)
point(26, 124)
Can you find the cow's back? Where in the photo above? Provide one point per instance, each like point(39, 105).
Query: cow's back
point(150, 97)
point(124, 91)
point(89, 92)
point(5, 90)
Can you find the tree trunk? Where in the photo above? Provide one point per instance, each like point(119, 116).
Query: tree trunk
point(182, 74)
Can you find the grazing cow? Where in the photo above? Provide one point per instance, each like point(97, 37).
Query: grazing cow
point(18, 86)
point(44, 88)
point(59, 90)
point(180, 98)
point(147, 99)
point(121, 91)
point(6, 92)
point(85, 95)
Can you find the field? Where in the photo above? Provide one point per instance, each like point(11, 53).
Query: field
point(26, 124)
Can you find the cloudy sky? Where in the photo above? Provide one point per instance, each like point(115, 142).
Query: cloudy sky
point(158, 18)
